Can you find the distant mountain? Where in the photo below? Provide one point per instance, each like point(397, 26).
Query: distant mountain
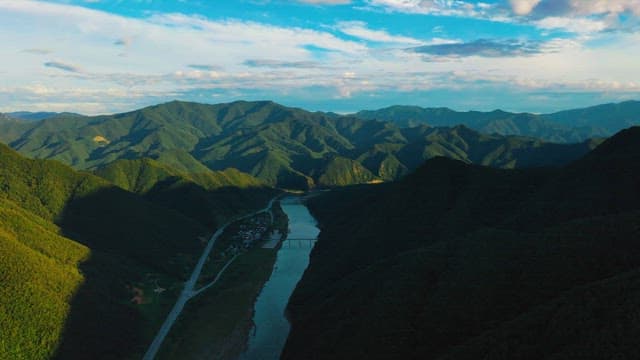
point(609, 117)
point(284, 147)
point(565, 126)
point(459, 261)
point(37, 116)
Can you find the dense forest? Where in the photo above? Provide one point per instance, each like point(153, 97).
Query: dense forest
point(459, 261)
point(438, 242)
point(77, 251)
point(282, 146)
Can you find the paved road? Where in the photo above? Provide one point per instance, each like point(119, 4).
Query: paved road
point(195, 293)
point(188, 292)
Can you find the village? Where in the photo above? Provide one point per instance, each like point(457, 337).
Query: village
point(249, 232)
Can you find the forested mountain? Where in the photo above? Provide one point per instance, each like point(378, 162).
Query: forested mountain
point(459, 261)
point(492, 241)
point(79, 257)
point(562, 127)
point(609, 117)
point(281, 146)
point(211, 197)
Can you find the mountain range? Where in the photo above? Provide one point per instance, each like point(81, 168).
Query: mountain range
point(562, 127)
point(281, 146)
point(116, 207)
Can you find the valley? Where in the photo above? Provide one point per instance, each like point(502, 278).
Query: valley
point(458, 261)
point(162, 245)
point(320, 180)
point(189, 291)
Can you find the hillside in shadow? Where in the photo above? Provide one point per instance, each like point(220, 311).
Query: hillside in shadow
point(463, 262)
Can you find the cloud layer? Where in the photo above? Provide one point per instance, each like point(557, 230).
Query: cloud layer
point(77, 59)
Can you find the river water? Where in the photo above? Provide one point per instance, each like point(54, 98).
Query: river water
point(271, 327)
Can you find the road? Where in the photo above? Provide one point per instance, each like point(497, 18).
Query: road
point(188, 291)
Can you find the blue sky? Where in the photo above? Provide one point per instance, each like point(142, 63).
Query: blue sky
point(100, 56)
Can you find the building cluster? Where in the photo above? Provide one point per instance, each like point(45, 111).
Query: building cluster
point(252, 231)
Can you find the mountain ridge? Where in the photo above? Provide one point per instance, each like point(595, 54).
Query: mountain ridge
point(563, 126)
point(282, 146)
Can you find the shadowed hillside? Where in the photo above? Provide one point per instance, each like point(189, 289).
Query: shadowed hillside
point(463, 262)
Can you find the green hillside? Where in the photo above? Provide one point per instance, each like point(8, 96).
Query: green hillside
point(40, 276)
point(211, 197)
point(561, 127)
point(141, 175)
point(460, 261)
point(74, 249)
point(281, 146)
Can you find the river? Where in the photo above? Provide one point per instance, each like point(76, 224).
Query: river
point(271, 326)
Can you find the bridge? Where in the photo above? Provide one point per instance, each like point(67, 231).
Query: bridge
point(298, 243)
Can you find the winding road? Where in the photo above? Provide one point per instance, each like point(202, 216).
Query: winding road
point(188, 290)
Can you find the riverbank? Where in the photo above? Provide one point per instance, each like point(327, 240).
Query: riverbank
point(271, 326)
point(217, 322)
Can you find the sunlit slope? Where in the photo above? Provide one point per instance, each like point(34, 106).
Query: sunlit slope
point(39, 272)
point(210, 197)
point(141, 175)
point(51, 217)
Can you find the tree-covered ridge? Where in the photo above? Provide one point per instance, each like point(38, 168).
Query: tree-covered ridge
point(460, 261)
point(284, 147)
point(141, 175)
point(210, 197)
point(561, 127)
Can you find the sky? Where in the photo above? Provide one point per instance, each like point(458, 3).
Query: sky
point(100, 56)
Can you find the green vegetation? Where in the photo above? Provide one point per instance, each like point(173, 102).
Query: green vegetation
point(89, 270)
point(564, 126)
point(39, 276)
point(211, 197)
point(281, 146)
point(216, 324)
point(459, 261)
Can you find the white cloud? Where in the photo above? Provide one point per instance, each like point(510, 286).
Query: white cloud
point(575, 25)
point(523, 7)
point(584, 16)
point(170, 55)
point(590, 7)
point(360, 30)
point(436, 7)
